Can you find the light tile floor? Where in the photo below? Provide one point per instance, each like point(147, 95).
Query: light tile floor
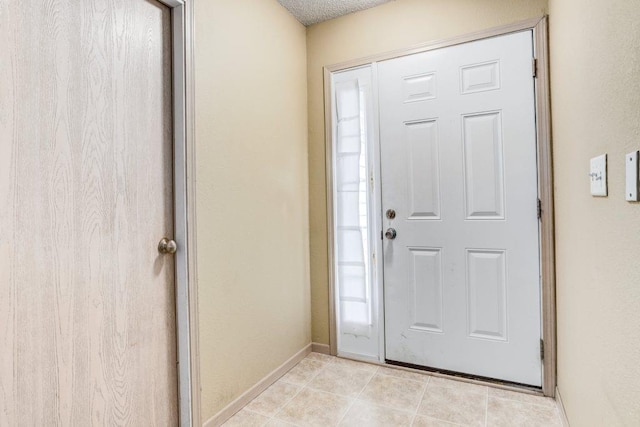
point(328, 391)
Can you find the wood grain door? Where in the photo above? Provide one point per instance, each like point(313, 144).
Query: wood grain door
point(459, 167)
point(87, 318)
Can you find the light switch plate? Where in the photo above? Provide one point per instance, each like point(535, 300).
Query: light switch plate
point(631, 161)
point(598, 176)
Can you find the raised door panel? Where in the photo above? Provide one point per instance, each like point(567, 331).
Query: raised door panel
point(487, 294)
point(480, 77)
point(483, 166)
point(419, 88)
point(425, 289)
point(423, 195)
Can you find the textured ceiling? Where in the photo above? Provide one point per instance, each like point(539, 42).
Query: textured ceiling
point(313, 11)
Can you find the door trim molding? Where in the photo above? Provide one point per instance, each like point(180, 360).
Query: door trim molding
point(545, 192)
point(194, 322)
point(184, 211)
point(539, 27)
point(528, 24)
point(330, 195)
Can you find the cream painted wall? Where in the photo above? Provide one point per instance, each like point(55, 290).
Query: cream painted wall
point(252, 203)
point(595, 81)
point(394, 25)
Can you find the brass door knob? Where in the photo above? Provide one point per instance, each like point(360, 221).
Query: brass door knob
point(167, 246)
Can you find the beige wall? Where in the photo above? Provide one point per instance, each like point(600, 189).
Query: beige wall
point(395, 25)
point(252, 183)
point(595, 71)
point(252, 204)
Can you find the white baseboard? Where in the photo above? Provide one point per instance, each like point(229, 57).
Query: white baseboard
point(320, 348)
point(563, 413)
point(246, 397)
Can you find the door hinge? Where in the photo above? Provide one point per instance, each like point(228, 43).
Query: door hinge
point(534, 67)
point(541, 350)
point(539, 209)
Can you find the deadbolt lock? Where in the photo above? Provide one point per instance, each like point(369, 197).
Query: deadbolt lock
point(391, 214)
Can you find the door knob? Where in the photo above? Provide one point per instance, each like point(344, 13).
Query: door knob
point(167, 246)
point(390, 234)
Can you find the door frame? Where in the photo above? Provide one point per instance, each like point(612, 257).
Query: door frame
point(183, 92)
point(539, 26)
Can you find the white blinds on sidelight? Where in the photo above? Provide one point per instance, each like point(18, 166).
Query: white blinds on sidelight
point(353, 257)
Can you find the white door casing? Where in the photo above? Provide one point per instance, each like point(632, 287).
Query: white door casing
point(459, 167)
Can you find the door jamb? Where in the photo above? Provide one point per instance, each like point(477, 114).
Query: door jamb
point(539, 26)
point(184, 210)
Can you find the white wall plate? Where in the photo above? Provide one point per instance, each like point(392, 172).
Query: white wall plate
point(631, 162)
point(598, 176)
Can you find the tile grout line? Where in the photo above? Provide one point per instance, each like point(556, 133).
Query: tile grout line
point(428, 378)
point(333, 362)
point(302, 387)
point(378, 404)
point(326, 363)
point(273, 416)
point(485, 392)
point(244, 408)
point(356, 399)
point(415, 413)
point(486, 407)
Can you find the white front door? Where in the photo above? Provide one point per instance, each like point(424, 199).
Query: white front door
point(459, 167)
